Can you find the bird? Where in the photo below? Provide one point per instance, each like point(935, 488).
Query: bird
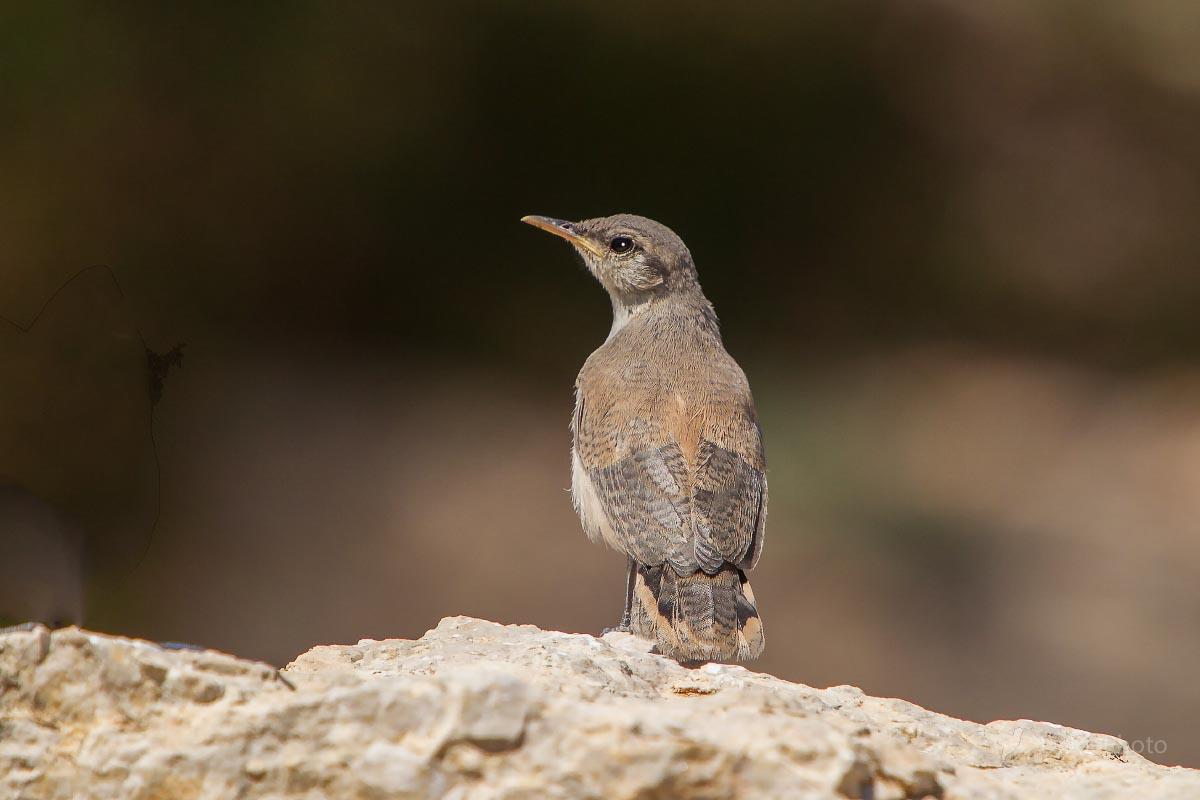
point(667, 461)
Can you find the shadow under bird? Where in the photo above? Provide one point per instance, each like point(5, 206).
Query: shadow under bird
point(667, 460)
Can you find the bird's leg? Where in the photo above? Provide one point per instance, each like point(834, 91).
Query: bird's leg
point(626, 617)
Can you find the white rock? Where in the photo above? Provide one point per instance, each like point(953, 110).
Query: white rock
point(475, 710)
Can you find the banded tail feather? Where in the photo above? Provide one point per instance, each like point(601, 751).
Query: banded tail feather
point(697, 617)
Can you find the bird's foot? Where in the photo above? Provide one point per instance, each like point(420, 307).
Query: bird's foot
point(686, 663)
point(198, 648)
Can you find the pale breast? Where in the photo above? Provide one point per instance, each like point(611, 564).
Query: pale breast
point(587, 504)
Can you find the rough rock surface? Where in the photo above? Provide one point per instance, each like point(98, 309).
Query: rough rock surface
point(479, 710)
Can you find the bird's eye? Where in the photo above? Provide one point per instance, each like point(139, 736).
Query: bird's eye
point(621, 244)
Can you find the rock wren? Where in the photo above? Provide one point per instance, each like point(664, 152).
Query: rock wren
point(667, 461)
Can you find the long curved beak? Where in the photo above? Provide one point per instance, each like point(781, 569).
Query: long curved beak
point(562, 229)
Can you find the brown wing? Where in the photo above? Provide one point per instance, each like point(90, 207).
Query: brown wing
point(729, 509)
point(662, 506)
point(640, 483)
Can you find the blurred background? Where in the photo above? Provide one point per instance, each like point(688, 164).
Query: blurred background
point(954, 245)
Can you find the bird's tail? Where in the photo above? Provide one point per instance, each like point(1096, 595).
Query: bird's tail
point(697, 617)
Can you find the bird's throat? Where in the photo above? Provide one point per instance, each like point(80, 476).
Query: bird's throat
point(622, 314)
point(683, 317)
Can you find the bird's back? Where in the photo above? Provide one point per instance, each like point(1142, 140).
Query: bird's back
point(667, 379)
point(669, 469)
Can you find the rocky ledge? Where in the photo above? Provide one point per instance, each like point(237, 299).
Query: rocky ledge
point(479, 710)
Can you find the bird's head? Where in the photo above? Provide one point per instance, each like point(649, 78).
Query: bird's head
point(636, 259)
